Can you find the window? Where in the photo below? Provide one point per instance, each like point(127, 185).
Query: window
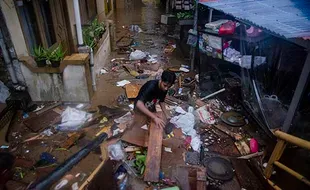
point(43, 22)
point(88, 10)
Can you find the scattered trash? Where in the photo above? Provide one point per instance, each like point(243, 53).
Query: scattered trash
point(167, 149)
point(116, 151)
point(125, 118)
point(145, 127)
point(47, 132)
point(25, 115)
point(103, 120)
point(186, 122)
point(73, 119)
point(4, 147)
point(135, 28)
point(253, 145)
point(122, 83)
point(79, 106)
point(39, 108)
point(103, 71)
point(205, 116)
point(131, 106)
point(75, 186)
point(137, 55)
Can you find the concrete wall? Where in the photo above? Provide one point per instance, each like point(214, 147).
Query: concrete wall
point(101, 57)
point(68, 86)
point(14, 27)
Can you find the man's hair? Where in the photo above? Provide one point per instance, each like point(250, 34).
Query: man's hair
point(168, 77)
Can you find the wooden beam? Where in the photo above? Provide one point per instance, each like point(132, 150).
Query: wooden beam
point(153, 157)
point(40, 22)
point(275, 156)
point(292, 139)
point(292, 172)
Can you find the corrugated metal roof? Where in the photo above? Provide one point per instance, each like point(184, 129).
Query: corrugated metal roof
point(288, 18)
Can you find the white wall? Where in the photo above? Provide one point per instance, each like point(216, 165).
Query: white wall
point(101, 57)
point(68, 86)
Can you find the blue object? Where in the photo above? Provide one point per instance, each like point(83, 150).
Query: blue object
point(287, 18)
point(48, 157)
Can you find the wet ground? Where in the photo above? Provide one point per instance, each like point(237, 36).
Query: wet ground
point(145, 15)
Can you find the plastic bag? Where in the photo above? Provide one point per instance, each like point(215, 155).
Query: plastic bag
point(116, 151)
point(4, 92)
point(227, 28)
point(137, 55)
point(73, 119)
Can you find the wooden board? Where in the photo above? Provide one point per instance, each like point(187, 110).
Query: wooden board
point(136, 136)
point(243, 148)
point(42, 121)
point(71, 140)
point(153, 157)
point(132, 90)
point(247, 179)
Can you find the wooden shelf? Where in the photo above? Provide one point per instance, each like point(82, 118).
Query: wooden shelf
point(236, 37)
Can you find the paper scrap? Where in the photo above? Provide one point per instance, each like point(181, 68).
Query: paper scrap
point(145, 127)
point(167, 149)
point(122, 83)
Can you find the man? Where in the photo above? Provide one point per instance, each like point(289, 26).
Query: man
point(153, 92)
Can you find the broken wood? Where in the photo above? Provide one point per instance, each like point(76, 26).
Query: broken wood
point(201, 180)
point(235, 136)
point(180, 81)
point(153, 157)
point(256, 154)
point(243, 148)
point(92, 175)
point(72, 139)
point(42, 121)
point(132, 149)
point(132, 90)
point(48, 108)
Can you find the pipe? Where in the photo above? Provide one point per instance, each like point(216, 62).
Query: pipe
point(92, 70)
point(7, 59)
point(210, 15)
point(63, 168)
point(78, 22)
point(213, 94)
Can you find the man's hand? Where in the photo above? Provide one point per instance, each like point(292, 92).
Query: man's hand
point(159, 122)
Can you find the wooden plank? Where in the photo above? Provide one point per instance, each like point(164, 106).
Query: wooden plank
point(243, 148)
point(71, 140)
point(136, 136)
point(48, 108)
point(245, 176)
point(92, 175)
point(132, 90)
point(153, 157)
point(201, 180)
point(42, 121)
point(275, 156)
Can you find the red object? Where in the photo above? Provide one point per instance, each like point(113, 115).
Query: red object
point(253, 145)
point(227, 28)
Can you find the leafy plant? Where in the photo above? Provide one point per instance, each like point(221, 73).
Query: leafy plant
point(93, 33)
point(140, 161)
point(185, 15)
point(40, 53)
point(57, 54)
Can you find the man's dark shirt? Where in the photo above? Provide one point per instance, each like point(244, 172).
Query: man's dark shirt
point(150, 94)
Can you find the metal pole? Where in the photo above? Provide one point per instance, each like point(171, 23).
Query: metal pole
point(297, 95)
point(193, 52)
point(78, 24)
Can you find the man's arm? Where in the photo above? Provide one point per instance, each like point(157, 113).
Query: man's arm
point(158, 121)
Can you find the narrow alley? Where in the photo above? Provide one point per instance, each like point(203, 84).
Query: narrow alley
point(154, 94)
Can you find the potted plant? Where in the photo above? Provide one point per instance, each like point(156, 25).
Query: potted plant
point(40, 56)
point(185, 18)
point(56, 56)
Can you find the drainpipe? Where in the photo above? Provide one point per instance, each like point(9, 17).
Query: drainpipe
point(78, 22)
point(81, 47)
point(7, 59)
point(92, 70)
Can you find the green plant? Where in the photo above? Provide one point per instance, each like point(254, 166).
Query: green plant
point(185, 15)
point(140, 161)
point(57, 54)
point(93, 32)
point(40, 53)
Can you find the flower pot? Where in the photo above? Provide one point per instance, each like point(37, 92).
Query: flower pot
point(55, 63)
point(41, 63)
